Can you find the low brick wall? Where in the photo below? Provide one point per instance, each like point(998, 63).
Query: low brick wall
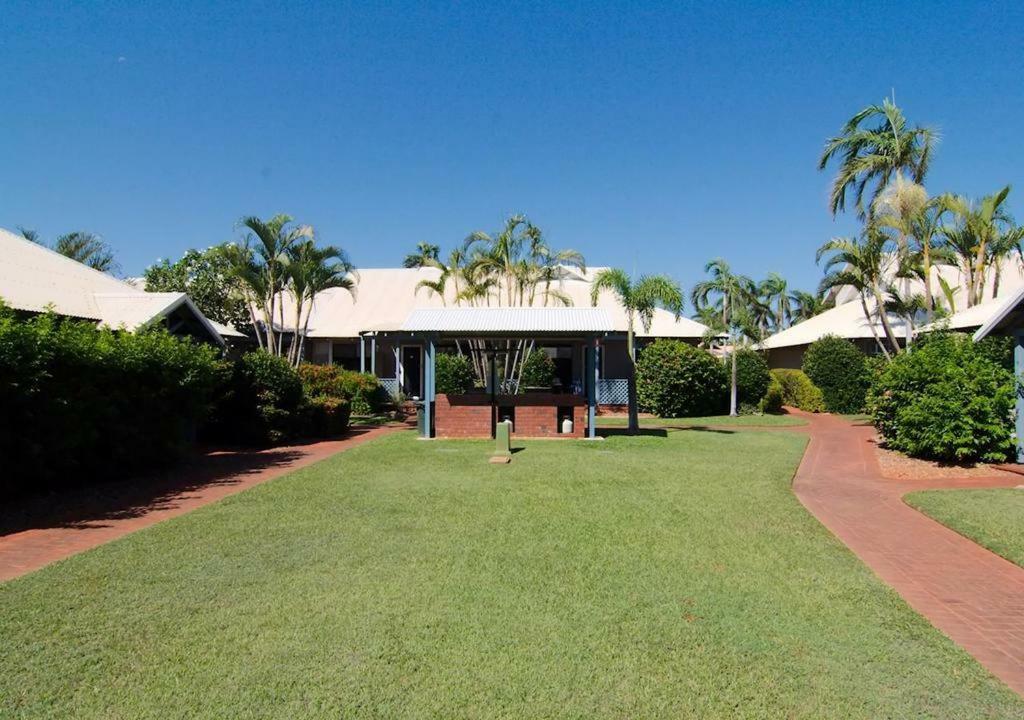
point(536, 415)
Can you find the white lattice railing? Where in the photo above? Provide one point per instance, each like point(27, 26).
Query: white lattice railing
point(391, 386)
point(612, 392)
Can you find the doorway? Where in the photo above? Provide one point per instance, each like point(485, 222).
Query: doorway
point(412, 370)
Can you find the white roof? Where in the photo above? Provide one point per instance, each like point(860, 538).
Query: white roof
point(384, 299)
point(509, 319)
point(1004, 316)
point(35, 278)
point(846, 320)
point(970, 318)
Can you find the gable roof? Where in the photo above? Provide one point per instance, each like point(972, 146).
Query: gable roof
point(1008, 315)
point(36, 279)
point(846, 321)
point(384, 299)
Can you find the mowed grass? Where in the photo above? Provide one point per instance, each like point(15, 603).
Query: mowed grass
point(992, 518)
point(708, 421)
point(657, 576)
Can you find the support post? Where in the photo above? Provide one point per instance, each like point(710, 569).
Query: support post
point(330, 351)
point(362, 354)
point(373, 355)
point(1018, 371)
point(591, 385)
point(428, 388)
point(397, 349)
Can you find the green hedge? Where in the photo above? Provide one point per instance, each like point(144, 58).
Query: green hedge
point(948, 399)
point(839, 368)
point(752, 377)
point(260, 402)
point(77, 403)
point(538, 370)
point(674, 379)
point(798, 391)
point(774, 398)
point(454, 374)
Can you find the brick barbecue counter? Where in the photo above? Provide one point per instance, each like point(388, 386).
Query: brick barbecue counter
point(534, 415)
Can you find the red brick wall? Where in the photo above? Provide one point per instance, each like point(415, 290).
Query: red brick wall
point(536, 415)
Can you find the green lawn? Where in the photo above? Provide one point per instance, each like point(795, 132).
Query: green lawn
point(992, 518)
point(709, 421)
point(669, 575)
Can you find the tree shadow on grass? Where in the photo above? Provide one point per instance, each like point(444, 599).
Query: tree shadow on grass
point(662, 432)
point(96, 503)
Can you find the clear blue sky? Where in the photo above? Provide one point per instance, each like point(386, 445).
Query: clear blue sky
point(650, 135)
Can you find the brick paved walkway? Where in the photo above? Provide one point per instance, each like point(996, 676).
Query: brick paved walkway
point(972, 595)
point(42, 534)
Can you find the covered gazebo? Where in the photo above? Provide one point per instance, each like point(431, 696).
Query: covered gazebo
point(491, 336)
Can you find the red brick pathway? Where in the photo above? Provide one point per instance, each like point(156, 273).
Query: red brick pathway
point(972, 595)
point(89, 521)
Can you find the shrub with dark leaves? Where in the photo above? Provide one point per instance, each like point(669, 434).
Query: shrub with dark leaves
point(674, 379)
point(839, 368)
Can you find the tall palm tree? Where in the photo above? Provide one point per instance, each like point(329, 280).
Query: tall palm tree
point(263, 265)
point(876, 154)
point(861, 265)
point(732, 296)
point(311, 271)
point(639, 299)
point(81, 246)
point(774, 289)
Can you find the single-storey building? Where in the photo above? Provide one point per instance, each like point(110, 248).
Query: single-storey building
point(362, 332)
point(35, 279)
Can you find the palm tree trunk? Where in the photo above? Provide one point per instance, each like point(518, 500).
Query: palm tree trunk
point(871, 324)
point(884, 317)
point(928, 300)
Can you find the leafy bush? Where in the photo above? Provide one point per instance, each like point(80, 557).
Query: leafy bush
point(839, 368)
point(774, 397)
point(675, 379)
point(798, 391)
point(77, 403)
point(363, 391)
point(752, 376)
point(327, 416)
point(454, 374)
point(538, 370)
point(260, 403)
point(947, 400)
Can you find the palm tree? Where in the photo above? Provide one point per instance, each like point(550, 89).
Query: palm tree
point(732, 296)
point(876, 154)
point(262, 265)
point(310, 271)
point(639, 299)
point(807, 305)
point(861, 264)
point(773, 289)
point(81, 246)
point(425, 254)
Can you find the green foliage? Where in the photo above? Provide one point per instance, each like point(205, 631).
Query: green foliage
point(839, 368)
point(538, 370)
point(774, 398)
point(454, 374)
point(79, 403)
point(327, 416)
point(208, 279)
point(752, 376)
point(946, 400)
point(260, 402)
point(675, 379)
point(798, 391)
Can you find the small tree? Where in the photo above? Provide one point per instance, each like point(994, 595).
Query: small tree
point(208, 279)
point(839, 368)
point(638, 299)
point(675, 379)
point(453, 374)
point(538, 370)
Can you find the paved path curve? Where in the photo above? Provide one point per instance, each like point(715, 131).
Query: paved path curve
point(969, 593)
point(212, 477)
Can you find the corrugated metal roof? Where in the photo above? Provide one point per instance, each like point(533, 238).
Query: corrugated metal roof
point(846, 321)
point(510, 320)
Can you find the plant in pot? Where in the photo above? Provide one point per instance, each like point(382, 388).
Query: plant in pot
point(538, 372)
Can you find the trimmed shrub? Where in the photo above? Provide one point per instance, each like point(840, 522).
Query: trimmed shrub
point(949, 399)
point(752, 376)
point(327, 416)
point(839, 368)
point(363, 391)
point(78, 403)
point(774, 398)
point(538, 370)
point(260, 403)
point(798, 391)
point(454, 374)
point(674, 379)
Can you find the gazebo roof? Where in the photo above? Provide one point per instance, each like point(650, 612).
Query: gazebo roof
point(510, 321)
